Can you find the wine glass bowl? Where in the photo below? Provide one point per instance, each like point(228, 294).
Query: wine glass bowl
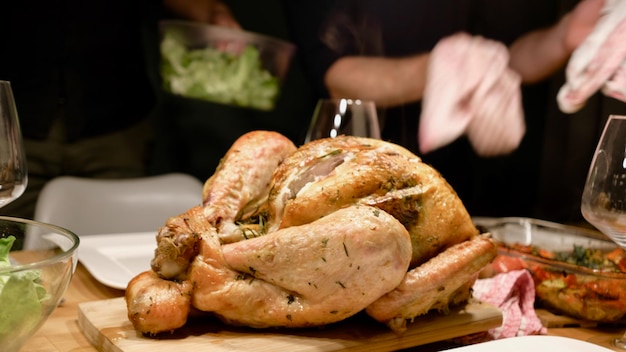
point(334, 117)
point(13, 170)
point(603, 202)
point(604, 196)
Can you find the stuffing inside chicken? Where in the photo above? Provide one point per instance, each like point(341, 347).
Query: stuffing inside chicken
point(308, 236)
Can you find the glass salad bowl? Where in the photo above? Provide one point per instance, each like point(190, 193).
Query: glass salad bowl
point(37, 262)
point(223, 65)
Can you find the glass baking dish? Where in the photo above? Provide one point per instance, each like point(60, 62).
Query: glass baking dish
point(577, 271)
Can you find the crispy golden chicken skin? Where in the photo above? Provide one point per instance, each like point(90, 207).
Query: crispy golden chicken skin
point(238, 186)
point(328, 174)
point(307, 275)
point(156, 305)
point(299, 237)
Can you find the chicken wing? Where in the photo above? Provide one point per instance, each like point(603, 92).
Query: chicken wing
point(240, 182)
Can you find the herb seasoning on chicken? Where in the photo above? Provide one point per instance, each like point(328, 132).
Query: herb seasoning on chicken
point(308, 236)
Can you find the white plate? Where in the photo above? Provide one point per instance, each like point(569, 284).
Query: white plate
point(537, 343)
point(115, 259)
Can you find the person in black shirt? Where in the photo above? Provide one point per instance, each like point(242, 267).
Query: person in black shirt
point(80, 72)
point(378, 50)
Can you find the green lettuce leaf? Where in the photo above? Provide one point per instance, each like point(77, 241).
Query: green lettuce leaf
point(21, 295)
point(217, 76)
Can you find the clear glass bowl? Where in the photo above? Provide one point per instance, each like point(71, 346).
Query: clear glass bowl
point(223, 65)
point(588, 286)
point(39, 268)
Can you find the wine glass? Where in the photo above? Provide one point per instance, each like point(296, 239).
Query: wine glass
point(604, 196)
point(334, 117)
point(13, 171)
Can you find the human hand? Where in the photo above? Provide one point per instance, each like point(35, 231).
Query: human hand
point(599, 62)
point(471, 90)
point(208, 11)
point(580, 22)
point(220, 15)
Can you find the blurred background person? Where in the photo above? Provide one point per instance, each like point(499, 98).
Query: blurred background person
point(82, 76)
point(379, 50)
point(192, 135)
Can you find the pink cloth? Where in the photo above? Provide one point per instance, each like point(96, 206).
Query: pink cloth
point(616, 86)
point(471, 90)
point(514, 293)
point(599, 63)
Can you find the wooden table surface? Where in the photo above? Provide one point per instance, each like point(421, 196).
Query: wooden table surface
point(61, 332)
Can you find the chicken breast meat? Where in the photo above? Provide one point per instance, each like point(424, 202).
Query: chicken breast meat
point(300, 237)
point(307, 275)
point(328, 174)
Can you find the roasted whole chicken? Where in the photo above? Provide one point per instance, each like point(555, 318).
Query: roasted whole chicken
point(308, 236)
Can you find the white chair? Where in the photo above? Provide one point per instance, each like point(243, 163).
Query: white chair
point(90, 206)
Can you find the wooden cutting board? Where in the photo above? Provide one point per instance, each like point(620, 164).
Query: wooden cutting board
point(107, 327)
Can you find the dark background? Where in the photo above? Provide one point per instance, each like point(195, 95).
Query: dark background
point(192, 135)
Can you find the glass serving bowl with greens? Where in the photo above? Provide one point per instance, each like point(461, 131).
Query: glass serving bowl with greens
point(223, 65)
point(37, 262)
